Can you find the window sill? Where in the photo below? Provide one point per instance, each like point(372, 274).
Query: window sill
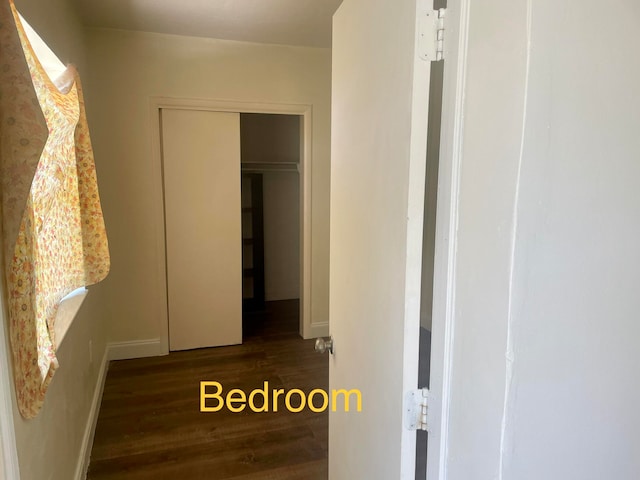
point(67, 310)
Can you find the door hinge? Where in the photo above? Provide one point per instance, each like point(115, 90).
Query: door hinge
point(416, 409)
point(431, 35)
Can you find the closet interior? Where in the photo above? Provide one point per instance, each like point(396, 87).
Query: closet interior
point(270, 191)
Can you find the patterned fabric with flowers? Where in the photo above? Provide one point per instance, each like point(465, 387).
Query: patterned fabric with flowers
point(54, 238)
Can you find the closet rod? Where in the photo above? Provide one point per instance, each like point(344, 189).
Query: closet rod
point(261, 167)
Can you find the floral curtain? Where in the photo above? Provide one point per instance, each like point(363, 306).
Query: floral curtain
point(53, 234)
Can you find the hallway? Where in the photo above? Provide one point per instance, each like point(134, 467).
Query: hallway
point(150, 425)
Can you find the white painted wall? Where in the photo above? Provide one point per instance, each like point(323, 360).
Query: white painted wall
point(575, 388)
point(492, 130)
point(127, 69)
point(50, 446)
point(545, 379)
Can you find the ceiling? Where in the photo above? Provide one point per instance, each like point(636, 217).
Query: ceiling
point(288, 22)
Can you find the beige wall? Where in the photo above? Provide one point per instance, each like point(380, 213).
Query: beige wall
point(127, 69)
point(49, 446)
point(59, 26)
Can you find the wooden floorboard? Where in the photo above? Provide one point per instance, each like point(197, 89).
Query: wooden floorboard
point(150, 425)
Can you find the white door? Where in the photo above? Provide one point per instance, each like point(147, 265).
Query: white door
point(201, 166)
point(379, 135)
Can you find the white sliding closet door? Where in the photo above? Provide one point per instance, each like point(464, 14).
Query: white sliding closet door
point(201, 155)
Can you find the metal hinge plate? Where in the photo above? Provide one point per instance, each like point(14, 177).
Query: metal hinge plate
point(431, 35)
point(416, 409)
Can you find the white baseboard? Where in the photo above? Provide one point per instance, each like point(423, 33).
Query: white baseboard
point(114, 351)
point(135, 349)
point(90, 429)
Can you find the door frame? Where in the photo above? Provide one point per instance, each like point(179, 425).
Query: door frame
point(308, 329)
point(446, 241)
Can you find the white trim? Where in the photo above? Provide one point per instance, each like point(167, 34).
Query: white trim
point(113, 351)
point(414, 237)
point(307, 327)
point(451, 150)
point(11, 467)
point(90, 428)
point(510, 353)
point(135, 349)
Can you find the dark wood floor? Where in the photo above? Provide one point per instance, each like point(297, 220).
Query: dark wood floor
point(150, 425)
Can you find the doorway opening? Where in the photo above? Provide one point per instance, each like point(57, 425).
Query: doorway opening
point(271, 235)
point(259, 111)
point(428, 249)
